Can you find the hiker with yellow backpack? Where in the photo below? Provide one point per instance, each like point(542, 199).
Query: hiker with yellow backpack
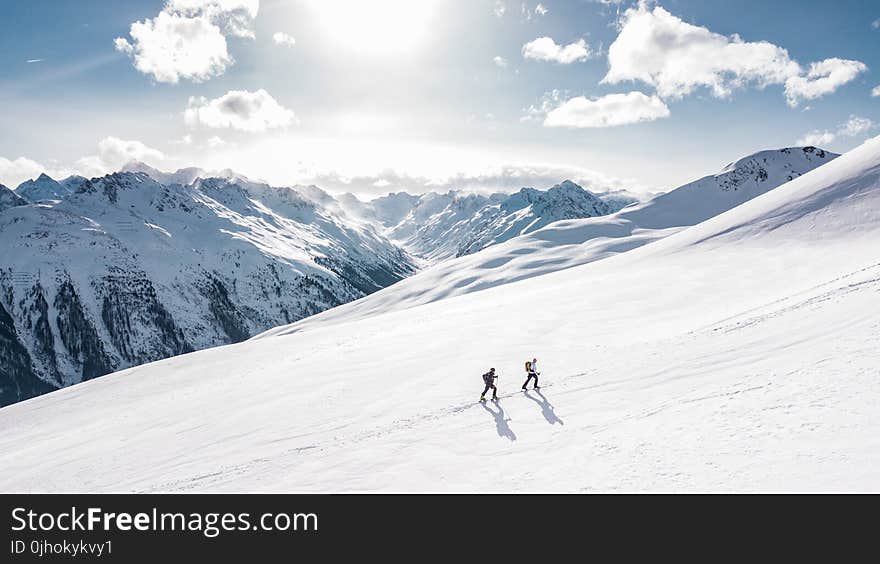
point(532, 371)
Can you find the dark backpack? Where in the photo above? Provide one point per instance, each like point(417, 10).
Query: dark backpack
point(488, 377)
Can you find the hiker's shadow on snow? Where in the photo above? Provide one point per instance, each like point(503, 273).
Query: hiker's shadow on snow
point(546, 407)
point(501, 425)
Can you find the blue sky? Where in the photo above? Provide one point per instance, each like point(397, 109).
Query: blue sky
point(406, 94)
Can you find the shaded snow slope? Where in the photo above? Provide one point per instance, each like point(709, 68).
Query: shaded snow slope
point(565, 244)
point(9, 199)
point(44, 187)
point(739, 354)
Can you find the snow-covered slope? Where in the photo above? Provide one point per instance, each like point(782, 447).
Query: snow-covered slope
point(738, 354)
point(128, 270)
point(565, 244)
point(9, 199)
point(44, 187)
point(440, 226)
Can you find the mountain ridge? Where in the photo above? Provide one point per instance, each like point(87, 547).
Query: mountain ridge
point(127, 270)
point(571, 243)
point(438, 226)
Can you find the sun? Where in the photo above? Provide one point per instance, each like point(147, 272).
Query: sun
point(377, 27)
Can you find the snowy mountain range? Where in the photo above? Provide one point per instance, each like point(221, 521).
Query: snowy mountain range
point(45, 188)
point(128, 270)
point(440, 226)
point(737, 354)
point(569, 243)
point(103, 274)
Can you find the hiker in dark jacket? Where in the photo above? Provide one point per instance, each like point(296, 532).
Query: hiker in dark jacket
point(489, 380)
point(532, 371)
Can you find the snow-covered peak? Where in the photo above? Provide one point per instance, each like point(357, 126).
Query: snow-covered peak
point(72, 183)
point(316, 195)
point(44, 187)
point(565, 200)
point(567, 187)
point(737, 183)
point(120, 188)
point(138, 166)
point(794, 159)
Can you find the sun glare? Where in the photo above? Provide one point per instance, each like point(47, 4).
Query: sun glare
point(377, 27)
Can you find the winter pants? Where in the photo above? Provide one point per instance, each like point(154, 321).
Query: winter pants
point(531, 375)
point(490, 387)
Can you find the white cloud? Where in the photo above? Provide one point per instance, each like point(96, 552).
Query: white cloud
point(185, 140)
point(189, 140)
point(499, 9)
point(170, 47)
point(528, 13)
point(114, 153)
point(817, 138)
point(677, 58)
point(281, 38)
point(187, 39)
point(875, 92)
point(503, 178)
point(606, 111)
point(875, 24)
point(123, 46)
point(235, 16)
point(545, 49)
point(215, 142)
point(822, 78)
point(500, 62)
point(14, 172)
point(853, 127)
point(241, 110)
